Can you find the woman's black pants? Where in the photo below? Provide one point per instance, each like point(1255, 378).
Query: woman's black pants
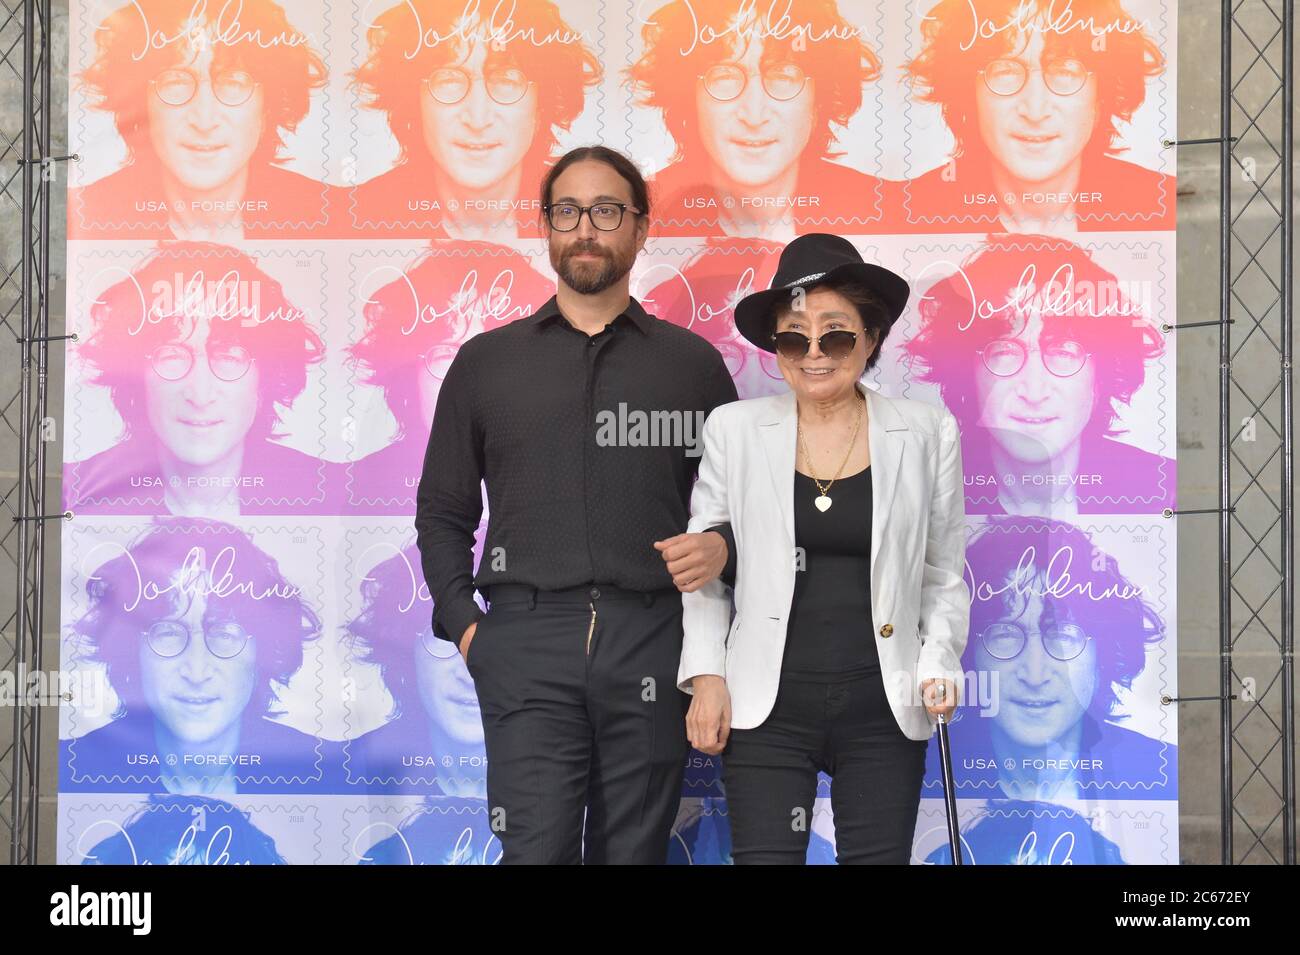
point(842, 727)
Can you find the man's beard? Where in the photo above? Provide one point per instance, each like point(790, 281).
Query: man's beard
point(591, 278)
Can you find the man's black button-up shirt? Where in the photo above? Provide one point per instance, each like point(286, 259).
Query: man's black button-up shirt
point(588, 446)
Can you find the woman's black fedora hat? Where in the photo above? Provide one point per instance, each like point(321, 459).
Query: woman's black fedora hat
point(815, 259)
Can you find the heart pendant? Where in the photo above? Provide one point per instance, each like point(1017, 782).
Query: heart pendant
point(822, 502)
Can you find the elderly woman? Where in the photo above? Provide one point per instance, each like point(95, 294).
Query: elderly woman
point(851, 607)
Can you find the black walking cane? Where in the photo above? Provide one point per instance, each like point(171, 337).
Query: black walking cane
point(949, 795)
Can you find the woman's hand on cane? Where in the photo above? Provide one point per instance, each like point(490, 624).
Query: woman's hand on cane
point(940, 698)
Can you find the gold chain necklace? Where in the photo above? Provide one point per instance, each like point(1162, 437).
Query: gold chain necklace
point(823, 501)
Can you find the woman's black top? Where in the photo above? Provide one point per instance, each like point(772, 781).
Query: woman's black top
point(830, 633)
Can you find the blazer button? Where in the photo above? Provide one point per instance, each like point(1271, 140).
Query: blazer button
point(887, 630)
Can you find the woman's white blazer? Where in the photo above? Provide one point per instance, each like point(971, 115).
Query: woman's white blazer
point(920, 602)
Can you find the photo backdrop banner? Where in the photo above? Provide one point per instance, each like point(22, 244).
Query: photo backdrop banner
point(288, 216)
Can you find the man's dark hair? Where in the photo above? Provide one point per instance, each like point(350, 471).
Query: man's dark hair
point(621, 164)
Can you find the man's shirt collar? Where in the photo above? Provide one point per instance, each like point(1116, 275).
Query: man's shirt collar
point(551, 311)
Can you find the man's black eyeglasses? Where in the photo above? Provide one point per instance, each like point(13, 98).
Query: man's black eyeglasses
point(605, 216)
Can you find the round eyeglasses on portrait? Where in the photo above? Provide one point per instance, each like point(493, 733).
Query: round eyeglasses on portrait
point(170, 638)
point(733, 356)
point(836, 345)
point(449, 85)
point(437, 360)
point(1005, 357)
point(177, 86)
point(605, 216)
point(767, 361)
point(1007, 640)
point(436, 647)
point(172, 362)
point(736, 356)
point(781, 81)
point(1064, 77)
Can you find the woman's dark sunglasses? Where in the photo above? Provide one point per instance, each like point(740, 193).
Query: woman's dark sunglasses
point(835, 345)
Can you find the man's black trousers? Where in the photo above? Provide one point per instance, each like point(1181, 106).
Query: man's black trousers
point(581, 716)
